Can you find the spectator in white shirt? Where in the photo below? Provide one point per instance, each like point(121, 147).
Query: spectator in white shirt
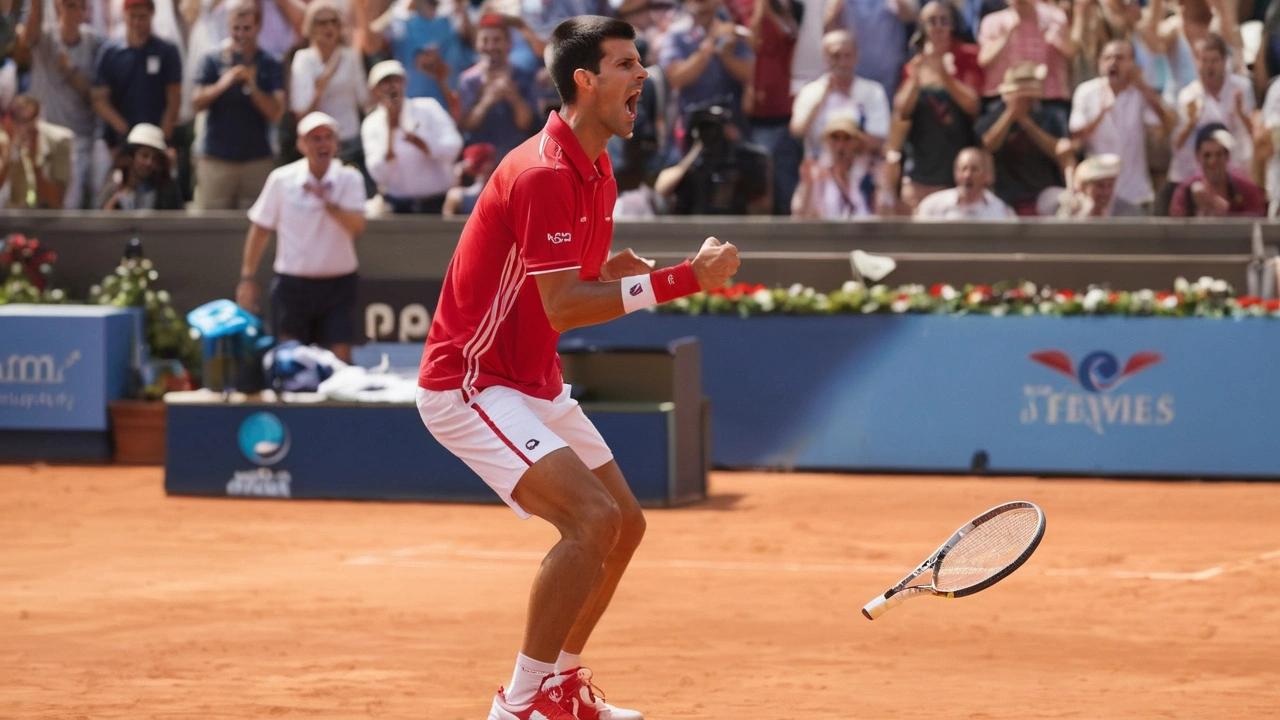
point(316, 208)
point(410, 144)
point(328, 76)
point(1111, 114)
point(840, 92)
point(969, 199)
point(837, 186)
point(1218, 96)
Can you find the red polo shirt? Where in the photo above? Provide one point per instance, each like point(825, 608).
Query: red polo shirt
point(546, 208)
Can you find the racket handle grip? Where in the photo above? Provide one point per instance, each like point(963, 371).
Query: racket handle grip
point(881, 604)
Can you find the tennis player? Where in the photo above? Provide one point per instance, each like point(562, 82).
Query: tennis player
point(531, 263)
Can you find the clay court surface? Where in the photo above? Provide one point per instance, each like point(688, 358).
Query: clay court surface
point(1145, 600)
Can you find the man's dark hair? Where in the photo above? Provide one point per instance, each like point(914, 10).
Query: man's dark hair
point(1214, 41)
point(576, 43)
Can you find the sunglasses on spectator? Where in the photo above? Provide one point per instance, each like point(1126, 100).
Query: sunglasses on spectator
point(938, 22)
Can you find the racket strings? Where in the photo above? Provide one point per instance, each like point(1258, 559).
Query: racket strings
point(987, 549)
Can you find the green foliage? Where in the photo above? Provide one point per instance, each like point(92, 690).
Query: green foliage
point(134, 284)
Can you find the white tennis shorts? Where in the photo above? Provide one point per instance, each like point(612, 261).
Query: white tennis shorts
point(502, 432)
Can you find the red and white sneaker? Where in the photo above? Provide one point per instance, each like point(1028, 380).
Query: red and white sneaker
point(542, 707)
point(583, 700)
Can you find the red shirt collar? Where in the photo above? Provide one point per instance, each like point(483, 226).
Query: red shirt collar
point(559, 131)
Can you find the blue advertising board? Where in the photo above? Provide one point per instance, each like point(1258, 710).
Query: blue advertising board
point(925, 393)
point(61, 364)
point(368, 451)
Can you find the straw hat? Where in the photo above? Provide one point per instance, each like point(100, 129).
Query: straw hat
point(1023, 75)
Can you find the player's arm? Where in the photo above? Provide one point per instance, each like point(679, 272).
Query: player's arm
point(571, 302)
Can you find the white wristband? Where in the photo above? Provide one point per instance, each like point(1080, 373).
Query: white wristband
point(637, 293)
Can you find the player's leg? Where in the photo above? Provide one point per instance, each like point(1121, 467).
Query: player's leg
point(536, 473)
point(561, 490)
point(615, 563)
point(335, 328)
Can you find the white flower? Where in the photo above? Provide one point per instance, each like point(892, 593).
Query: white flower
point(999, 311)
point(1181, 285)
point(974, 298)
point(822, 303)
point(1205, 282)
point(795, 289)
point(851, 286)
point(870, 307)
point(948, 293)
point(1028, 311)
point(1093, 298)
point(1145, 296)
point(1029, 289)
point(1219, 286)
point(809, 292)
point(1170, 302)
point(764, 299)
point(1046, 308)
point(899, 306)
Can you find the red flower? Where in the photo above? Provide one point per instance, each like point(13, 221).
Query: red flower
point(936, 290)
point(1113, 297)
point(1246, 302)
point(1272, 305)
point(1067, 294)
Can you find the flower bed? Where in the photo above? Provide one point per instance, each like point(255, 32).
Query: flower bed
point(1206, 297)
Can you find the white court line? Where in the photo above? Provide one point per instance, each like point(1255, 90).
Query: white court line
point(1205, 574)
point(437, 556)
point(444, 554)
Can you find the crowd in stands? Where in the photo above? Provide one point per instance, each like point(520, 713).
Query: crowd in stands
point(825, 109)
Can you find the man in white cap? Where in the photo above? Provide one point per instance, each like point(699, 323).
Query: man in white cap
point(410, 144)
point(146, 182)
point(316, 208)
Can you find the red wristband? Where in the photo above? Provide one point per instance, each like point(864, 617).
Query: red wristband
point(674, 282)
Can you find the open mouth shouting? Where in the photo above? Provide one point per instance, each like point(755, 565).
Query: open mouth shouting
point(630, 103)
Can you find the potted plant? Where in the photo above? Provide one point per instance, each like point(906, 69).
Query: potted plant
point(174, 357)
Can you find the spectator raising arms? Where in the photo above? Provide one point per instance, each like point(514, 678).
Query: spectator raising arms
point(1218, 189)
point(410, 144)
point(939, 97)
point(1028, 140)
point(706, 61)
point(1111, 115)
point(242, 88)
point(62, 72)
point(433, 48)
point(1218, 96)
point(1028, 31)
point(769, 98)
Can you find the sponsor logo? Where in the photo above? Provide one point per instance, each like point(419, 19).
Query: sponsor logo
point(260, 482)
point(558, 238)
point(264, 441)
point(1092, 400)
point(636, 289)
point(671, 279)
point(531, 445)
point(36, 369)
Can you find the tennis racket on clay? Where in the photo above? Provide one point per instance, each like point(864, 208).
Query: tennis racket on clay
point(982, 553)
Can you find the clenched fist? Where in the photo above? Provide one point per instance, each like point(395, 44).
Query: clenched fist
point(715, 263)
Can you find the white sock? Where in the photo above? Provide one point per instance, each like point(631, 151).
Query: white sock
point(567, 661)
point(527, 679)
